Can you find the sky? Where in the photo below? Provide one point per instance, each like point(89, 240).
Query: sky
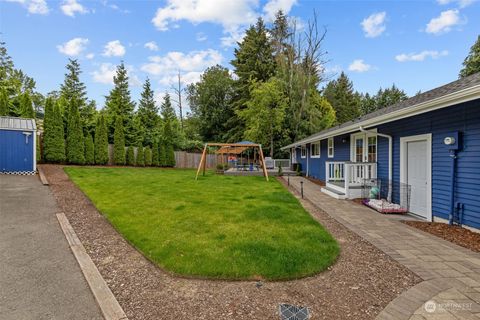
point(416, 45)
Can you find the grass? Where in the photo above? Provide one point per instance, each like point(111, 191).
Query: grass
point(217, 227)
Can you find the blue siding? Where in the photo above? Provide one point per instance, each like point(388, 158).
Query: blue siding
point(464, 118)
point(15, 153)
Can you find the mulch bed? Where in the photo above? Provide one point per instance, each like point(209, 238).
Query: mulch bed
point(361, 283)
point(456, 234)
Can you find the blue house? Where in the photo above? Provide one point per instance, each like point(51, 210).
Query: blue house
point(17, 146)
point(430, 142)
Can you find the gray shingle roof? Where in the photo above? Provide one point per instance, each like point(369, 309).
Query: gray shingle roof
point(441, 91)
point(12, 123)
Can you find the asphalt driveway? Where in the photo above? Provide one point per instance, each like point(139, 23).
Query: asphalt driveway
point(39, 276)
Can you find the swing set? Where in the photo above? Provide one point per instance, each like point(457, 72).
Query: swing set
point(231, 152)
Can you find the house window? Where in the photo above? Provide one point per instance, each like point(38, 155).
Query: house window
point(372, 149)
point(315, 150)
point(330, 147)
point(303, 152)
point(358, 149)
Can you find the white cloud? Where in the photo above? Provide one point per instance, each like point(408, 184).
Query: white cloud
point(70, 7)
point(191, 65)
point(359, 65)
point(73, 47)
point(232, 38)
point(114, 49)
point(201, 36)
point(444, 22)
point(152, 45)
point(90, 56)
point(273, 6)
point(107, 71)
point(374, 25)
point(421, 55)
point(34, 6)
point(461, 3)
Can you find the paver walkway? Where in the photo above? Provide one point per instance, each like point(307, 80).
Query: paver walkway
point(451, 274)
point(39, 276)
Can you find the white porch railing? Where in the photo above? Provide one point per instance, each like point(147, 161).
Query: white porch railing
point(349, 173)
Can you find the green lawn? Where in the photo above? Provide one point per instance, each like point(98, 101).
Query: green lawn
point(216, 227)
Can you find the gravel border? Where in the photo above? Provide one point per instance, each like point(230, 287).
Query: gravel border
point(361, 283)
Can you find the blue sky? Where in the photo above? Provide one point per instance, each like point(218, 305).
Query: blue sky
point(417, 45)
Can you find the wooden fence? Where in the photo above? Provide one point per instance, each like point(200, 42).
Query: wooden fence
point(185, 160)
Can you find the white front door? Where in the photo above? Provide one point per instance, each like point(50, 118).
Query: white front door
point(416, 167)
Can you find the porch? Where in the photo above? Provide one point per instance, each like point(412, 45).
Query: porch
point(345, 179)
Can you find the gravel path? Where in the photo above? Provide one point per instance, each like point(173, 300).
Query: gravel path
point(358, 286)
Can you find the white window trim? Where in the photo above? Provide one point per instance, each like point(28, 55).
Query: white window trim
point(319, 150)
point(333, 147)
point(365, 144)
point(303, 156)
point(403, 165)
point(376, 146)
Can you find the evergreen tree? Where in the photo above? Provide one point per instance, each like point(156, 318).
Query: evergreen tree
point(4, 103)
point(147, 113)
point(75, 143)
point(88, 115)
point(119, 143)
point(174, 133)
point(89, 150)
point(73, 91)
point(101, 141)
point(170, 156)
point(119, 104)
point(140, 156)
point(53, 140)
point(253, 62)
point(471, 64)
point(130, 156)
point(148, 157)
point(343, 99)
point(162, 157)
point(155, 162)
point(26, 106)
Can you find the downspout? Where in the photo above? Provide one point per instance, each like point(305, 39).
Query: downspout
point(390, 156)
point(308, 156)
point(453, 155)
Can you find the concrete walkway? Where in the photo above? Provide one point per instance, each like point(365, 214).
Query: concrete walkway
point(39, 276)
point(451, 274)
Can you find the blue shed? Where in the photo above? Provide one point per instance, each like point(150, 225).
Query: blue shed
point(17, 145)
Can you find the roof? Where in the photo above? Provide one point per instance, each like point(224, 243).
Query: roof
point(455, 92)
point(13, 123)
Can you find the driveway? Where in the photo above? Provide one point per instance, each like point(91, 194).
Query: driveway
point(39, 276)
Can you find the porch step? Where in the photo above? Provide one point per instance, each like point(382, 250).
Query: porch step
point(334, 193)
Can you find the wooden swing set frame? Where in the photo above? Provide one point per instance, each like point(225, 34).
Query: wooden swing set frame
point(231, 148)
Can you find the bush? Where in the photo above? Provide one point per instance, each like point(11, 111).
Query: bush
point(155, 161)
point(89, 150)
point(75, 143)
point(170, 156)
point(222, 166)
point(101, 141)
point(162, 155)
point(140, 156)
point(280, 171)
point(119, 143)
point(148, 156)
point(130, 156)
point(53, 138)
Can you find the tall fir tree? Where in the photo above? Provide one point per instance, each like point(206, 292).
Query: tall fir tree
point(101, 141)
point(471, 64)
point(253, 62)
point(75, 140)
point(140, 156)
point(53, 140)
point(89, 150)
point(343, 99)
point(147, 114)
point(119, 104)
point(119, 142)
point(73, 90)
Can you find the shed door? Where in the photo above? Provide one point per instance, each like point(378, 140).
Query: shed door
point(16, 151)
point(417, 168)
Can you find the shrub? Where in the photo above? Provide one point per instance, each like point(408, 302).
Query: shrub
point(155, 162)
point(162, 155)
point(89, 150)
point(148, 156)
point(130, 156)
point(140, 156)
point(53, 138)
point(170, 156)
point(280, 171)
point(101, 141)
point(119, 143)
point(75, 143)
